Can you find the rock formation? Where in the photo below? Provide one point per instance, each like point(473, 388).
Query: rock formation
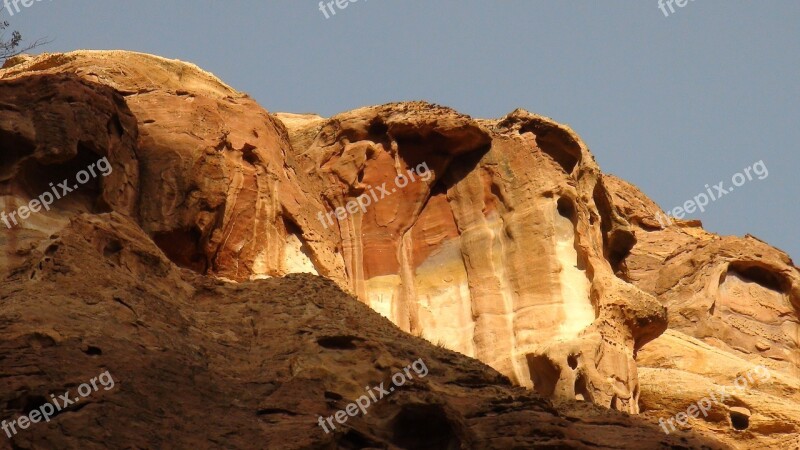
point(498, 239)
point(203, 363)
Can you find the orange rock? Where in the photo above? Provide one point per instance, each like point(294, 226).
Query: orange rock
point(516, 250)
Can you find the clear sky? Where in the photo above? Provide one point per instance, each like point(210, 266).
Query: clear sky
point(668, 103)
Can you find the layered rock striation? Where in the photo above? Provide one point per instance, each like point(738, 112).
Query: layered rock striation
point(499, 239)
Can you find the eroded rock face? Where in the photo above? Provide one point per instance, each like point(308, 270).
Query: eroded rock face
point(198, 362)
point(498, 255)
point(216, 195)
point(733, 305)
point(499, 239)
point(53, 126)
point(495, 248)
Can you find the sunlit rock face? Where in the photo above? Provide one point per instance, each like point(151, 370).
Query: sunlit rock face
point(733, 306)
point(208, 164)
point(490, 243)
point(500, 251)
point(500, 239)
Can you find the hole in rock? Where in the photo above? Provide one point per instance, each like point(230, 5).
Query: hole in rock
point(332, 396)
point(93, 351)
point(112, 248)
point(759, 275)
point(581, 389)
point(13, 148)
point(740, 418)
point(544, 374)
point(572, 360)
point(377, 128)
point(51, 250)
point(26, 403)
point(617, 242)
point(249, 155)
point(339, 342)
point(84, 190)
point(33, 403)
point(183, 247)
point(556, 143)
point(567, 209)
point(424, 427)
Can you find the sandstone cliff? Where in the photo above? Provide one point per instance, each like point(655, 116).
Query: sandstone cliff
point(506, 243)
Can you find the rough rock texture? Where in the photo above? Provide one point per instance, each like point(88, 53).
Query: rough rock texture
point(495, 255)
point(53, 126)
point(211, 163)
point(733, 304)
point(203, 363)
point(510, 246)
point(504, 241)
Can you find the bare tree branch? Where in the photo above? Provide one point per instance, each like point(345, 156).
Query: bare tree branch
point(12, 45)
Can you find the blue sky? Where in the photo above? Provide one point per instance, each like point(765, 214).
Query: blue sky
point(668, 103)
